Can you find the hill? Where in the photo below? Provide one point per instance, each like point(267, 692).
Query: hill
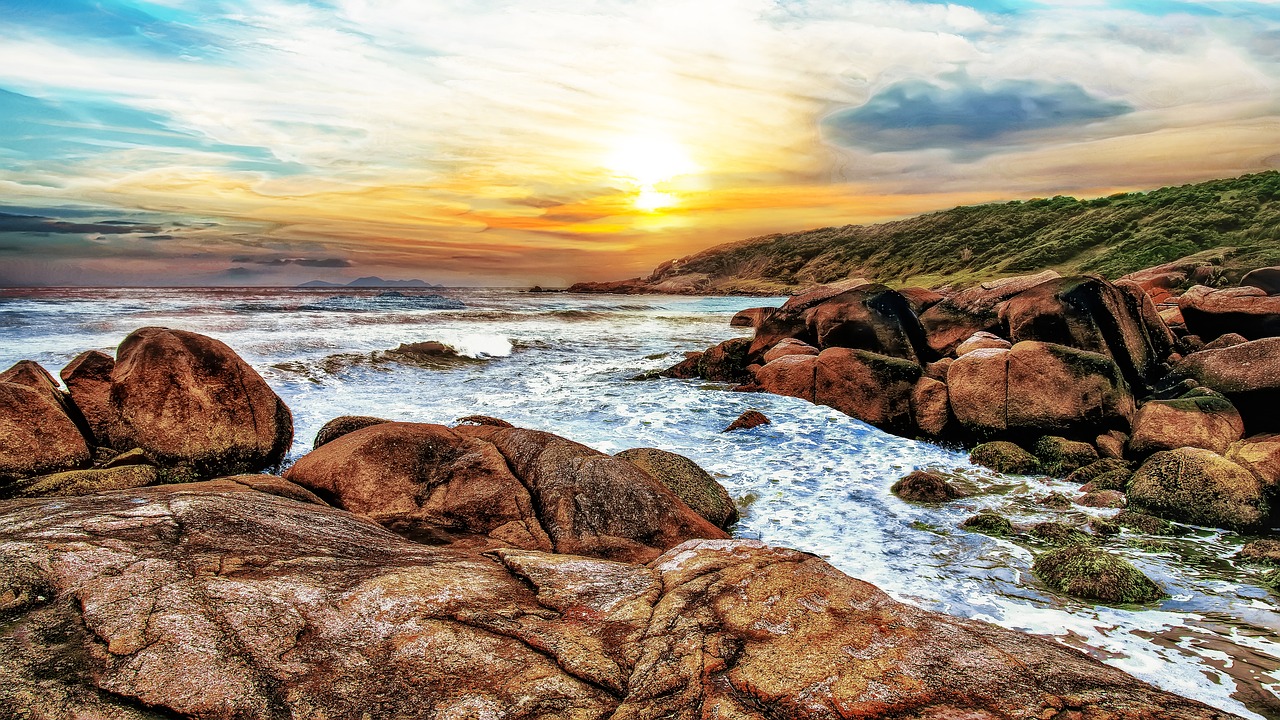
point(1236, 222)
point(370, 282)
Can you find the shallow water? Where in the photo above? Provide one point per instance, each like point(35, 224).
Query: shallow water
point(815, 479)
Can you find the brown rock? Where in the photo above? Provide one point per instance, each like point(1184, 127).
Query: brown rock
point(788, 346)
point(87, 482)
point(872, 318)
point(790, 375)
point(686, 369)
point(217, 600)
point(1004, 457)
point(30, 374)
point(688, 481)
point(1260, 455)
point(1102, 499)
point(1266, 279)
point(342, 425)
point(978, 386)
point(938, 369)
point(36, 436)
point(929, 406)
point(483, 420)
point(1199, 487)
point(949, 322)
point(1060, 457)
point(873, 388)
point(925, 487)
point(748, 420)
point(751, 317)
point(1055, 388)
point(982, 340)
point(1209, 422)
point(1265, 551)
point(1248, 374)
point(726, 362)
point(88, 379)
point(1246, 311)
point(921, 299)
point(1226, 341)
point(1111, 444)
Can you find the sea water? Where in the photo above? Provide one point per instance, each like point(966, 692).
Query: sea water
point(814, 479)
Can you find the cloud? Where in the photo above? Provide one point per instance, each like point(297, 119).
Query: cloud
point(302, 262)
point(35, 224)
point(967, 117)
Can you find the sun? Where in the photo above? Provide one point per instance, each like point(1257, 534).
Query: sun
point(647, 163)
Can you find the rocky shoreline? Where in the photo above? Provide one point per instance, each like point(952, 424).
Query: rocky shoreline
point(479, 570)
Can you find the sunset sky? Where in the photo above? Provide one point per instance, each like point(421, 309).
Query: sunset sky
point(469, 142)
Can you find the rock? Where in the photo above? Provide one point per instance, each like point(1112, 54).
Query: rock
point(1103, 527)
point(982, 340)
point(1265, 551)
point(32, 375)
point(135, 456)
point(428, 350)
point(869, 317)
point(790, 375)
point(1037, 387)
point(1113, 480)
point(1266, 279)
point(1004, 457)
point(88, 380)
point(791, 320)
point(938, 369)
point(1054, 501)
point(36, 436)
point(1093, 574)
point(488, 486)
point(1111, 444)
point(218, 601)
point(87, 482)
point(1248, 374)
point(949, 322)
point(1246, 311)
point(1060, 457)
point(921, 299)
point(483, 420)
point(342, 425)
point(686, 369)
point(873, 388)
point(1094, 470)
point(821, 293)
point(1145, 524)
point(1059, 534)
point(751, 317)
point(925, 487)
point(1259, 455)
point(988, 522)
point(688, 481)
point(1199, 487)
point(1209, 422)
point(1102, 499)
point(748, 420)
point(1226, 341)
point(1172, 317)
point(930, 409)
point(788, 346)
point(726, 362)
point(189, 401)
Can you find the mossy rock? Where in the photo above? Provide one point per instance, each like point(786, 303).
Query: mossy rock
point(1270, 579)
point(1004, 457)
point(88, 482)
point(1114, 480)
point(688, 481)
point(1091, 472)
point(1265, 552)
point(1060, 534)
point(1092, 574)
point(1059, 456)
point(1103, 527)
point(1055, 501)
point(989, 522)
point(1146, 524)
point(925, 486)
point(1200, 487)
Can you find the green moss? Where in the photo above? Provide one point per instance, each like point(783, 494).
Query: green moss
point(1004, 457)
point(1270, 579)
point(1114, 480)
point(1093, 574)
point(1103, 527)
point(1060, 534)
point(1094, 470)
point(989, 523)
point(688, 481)
point(1059, 456)
point(1146, 524)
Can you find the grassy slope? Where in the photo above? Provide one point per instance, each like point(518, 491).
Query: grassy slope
point(1236, 220)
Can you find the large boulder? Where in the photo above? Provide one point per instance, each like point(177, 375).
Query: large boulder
point(344, 425)
point(1259, 455)
point(751, 317)
point(1248, 374)
point(1038, 387)
point(954, 319)
point(1199, 487)
point(873, 388)
point(36, 436)
point(688, 481)
point(869, 317)
point(788, 346)
point(1094, 574)
point(1248, 311)
point(217, 600)
point(189, 401)
point(1266, 279)
point(490, 486)
point(930, 408)
point(790, 375)
point(1205, 421)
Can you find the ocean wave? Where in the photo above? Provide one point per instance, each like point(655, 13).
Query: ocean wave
point(383, 302)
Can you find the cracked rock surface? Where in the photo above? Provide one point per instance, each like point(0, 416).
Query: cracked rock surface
point(245, 598)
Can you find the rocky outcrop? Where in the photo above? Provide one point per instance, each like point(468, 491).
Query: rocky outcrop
point(690, 483)
point(36, 435)
point(751, 317)
point(1248, 311)
point(1199, 487)
point(1248, 374)
point(217, 600)
point(977, 309)
point(490, 486)
point(867, 317)
point(1205, 421)
point(343, 425)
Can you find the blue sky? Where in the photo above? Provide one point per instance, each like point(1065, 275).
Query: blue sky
point(552, 141)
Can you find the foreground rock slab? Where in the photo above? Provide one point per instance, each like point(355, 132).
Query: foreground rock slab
point(217, 600)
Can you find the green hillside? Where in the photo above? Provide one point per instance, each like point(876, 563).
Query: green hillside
point(1236, 220)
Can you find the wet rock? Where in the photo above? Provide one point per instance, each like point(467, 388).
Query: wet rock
point(726, 362)
point(982, 340)
point(869, 317)
point(1209, 422)
point(1059, 456)
point(930, 408)
point(1102, 499)
point(342, 425)
point(1199, 487)
point(747, 420)
point(1111, 444)
point(956, 318)
point(751, 317)
point(789, 346)
point(239, 603)
point(1245, 311)
point(1094, 574)
point(688, 481)
point(1145, 524)
point(988, 522)
point(87, 482)
point(1248, 374)
point(36, 436)
point(1265, 551)
point(1004, 457)
point(1103, 527)
point(1266, 279)
point(427, 350)
point(1091, 472)
point(1059, 534)
point(1054, 501)
point(1259, 455)
point(88, 380)
point(873, 388)
point(1112, 480)
point(925, 487)
point(686, 369)
point(483, 420)
point(791, 375)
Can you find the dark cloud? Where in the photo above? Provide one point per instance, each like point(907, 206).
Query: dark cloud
point(303, 262)
point(37, 224)
point(967, 117)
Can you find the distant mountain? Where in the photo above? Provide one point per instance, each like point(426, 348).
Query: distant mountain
point(371, 282)
point(1234, 223)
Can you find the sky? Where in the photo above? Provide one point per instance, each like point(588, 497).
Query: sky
point(474, 142)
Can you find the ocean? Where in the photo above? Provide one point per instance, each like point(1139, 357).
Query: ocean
point(814, 479)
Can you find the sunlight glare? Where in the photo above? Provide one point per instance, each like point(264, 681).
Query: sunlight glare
point(645, 162)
